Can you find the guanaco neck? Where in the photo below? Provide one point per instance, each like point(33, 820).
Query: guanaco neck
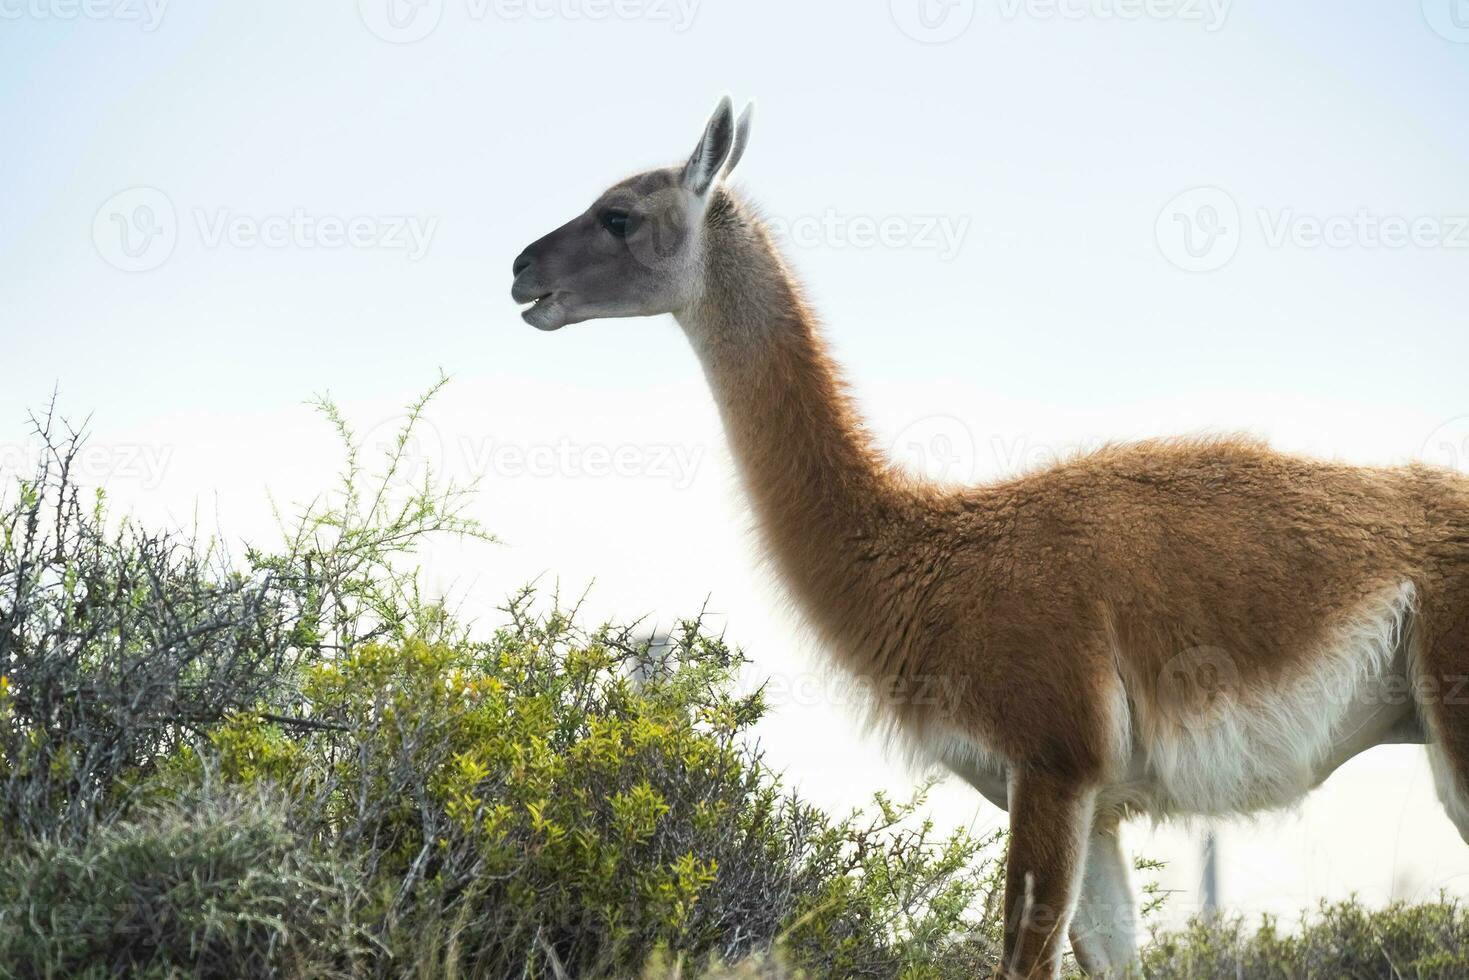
point(824, 498)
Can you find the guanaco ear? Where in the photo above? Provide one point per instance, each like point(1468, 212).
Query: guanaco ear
point(741, 140)
point(713, 150)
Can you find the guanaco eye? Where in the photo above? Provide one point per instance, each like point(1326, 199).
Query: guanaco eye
point(617, 223)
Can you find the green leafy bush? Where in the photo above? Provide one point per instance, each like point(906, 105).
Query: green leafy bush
point(531, 807)
point(1342, 940)
point(546, 800)
point(210, 887)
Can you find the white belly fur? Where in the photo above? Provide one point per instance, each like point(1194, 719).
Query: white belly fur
point(1249, 750)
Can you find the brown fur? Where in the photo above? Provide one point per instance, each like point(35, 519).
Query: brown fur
point(1045, 636)
point(1035, 602)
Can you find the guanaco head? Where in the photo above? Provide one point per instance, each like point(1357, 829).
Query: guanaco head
point(638, 250)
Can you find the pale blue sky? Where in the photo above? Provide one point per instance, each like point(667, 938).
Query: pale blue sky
point(1050, 147)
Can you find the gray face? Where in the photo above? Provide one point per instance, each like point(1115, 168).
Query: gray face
point(638, 250)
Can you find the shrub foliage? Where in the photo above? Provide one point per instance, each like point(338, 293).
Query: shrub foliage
point(294, 765)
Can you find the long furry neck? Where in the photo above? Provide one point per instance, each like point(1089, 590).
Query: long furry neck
point(825, 499)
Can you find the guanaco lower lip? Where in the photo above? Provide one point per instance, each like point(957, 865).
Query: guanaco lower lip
point(539, 305)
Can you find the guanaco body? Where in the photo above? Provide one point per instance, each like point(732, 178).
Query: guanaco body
point(1171, 627)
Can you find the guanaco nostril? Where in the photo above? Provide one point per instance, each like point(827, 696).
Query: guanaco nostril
point(522, 261)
